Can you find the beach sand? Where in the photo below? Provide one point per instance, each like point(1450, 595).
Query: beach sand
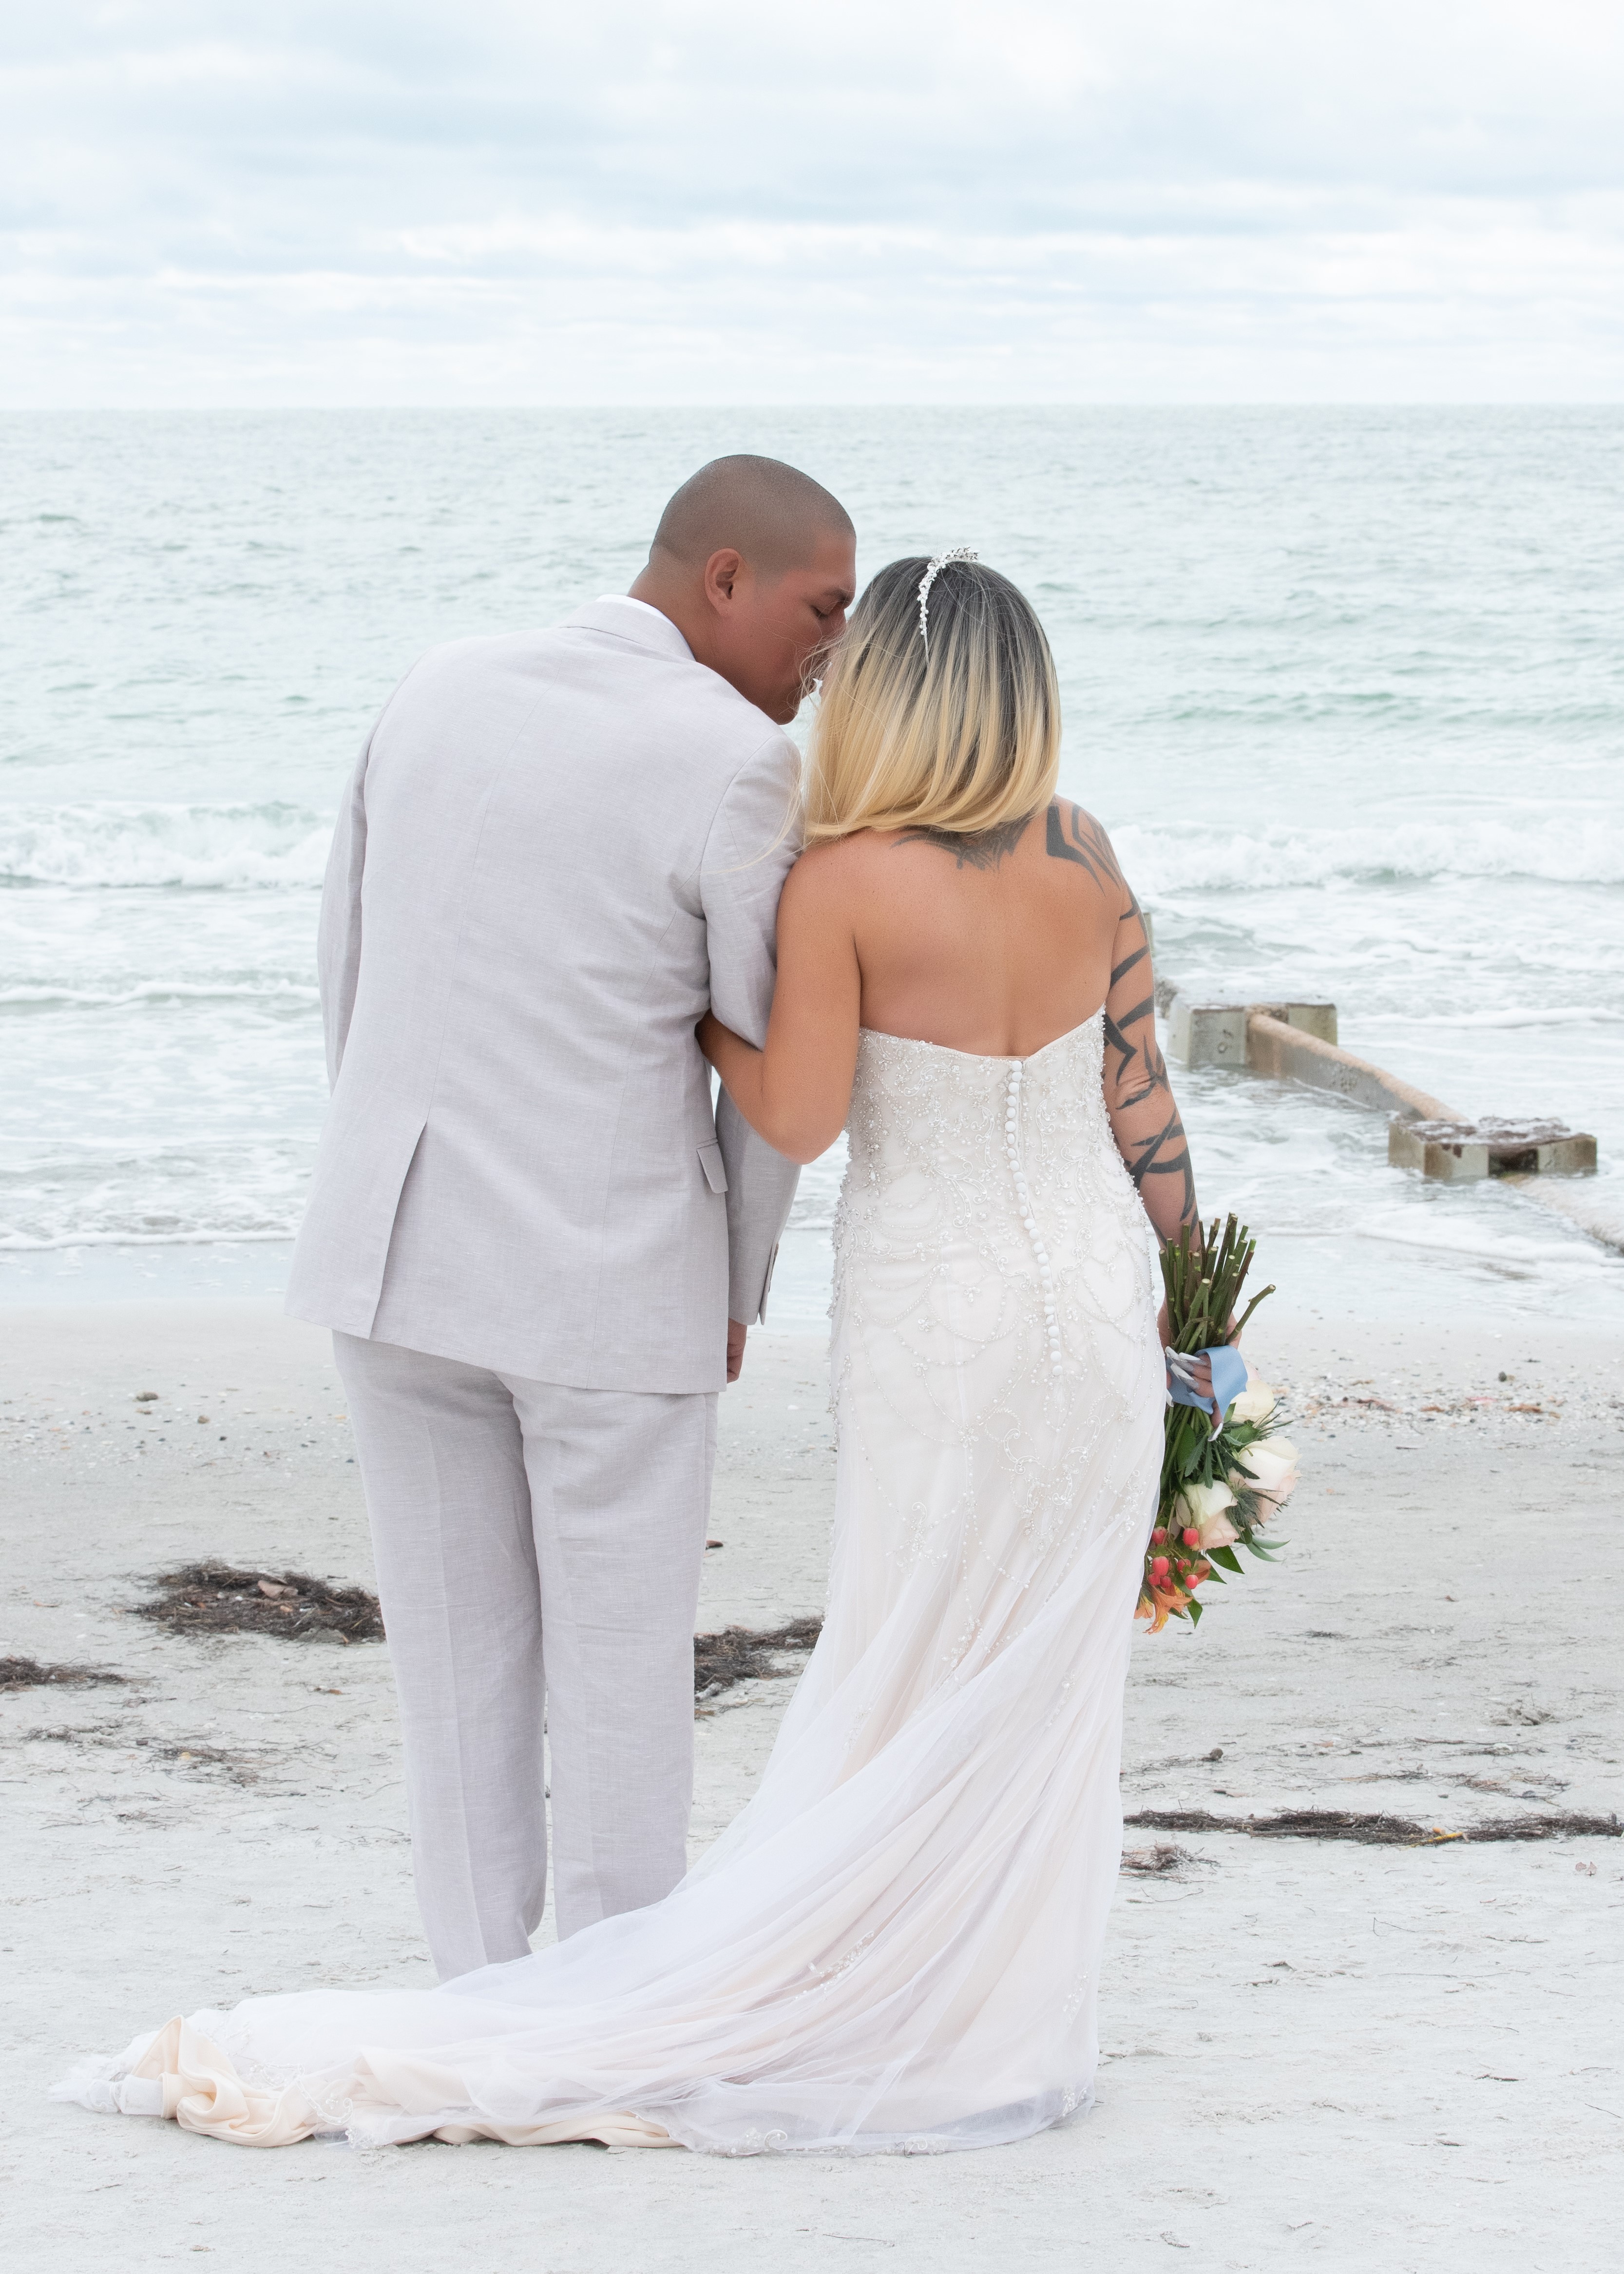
point(1313, 2051)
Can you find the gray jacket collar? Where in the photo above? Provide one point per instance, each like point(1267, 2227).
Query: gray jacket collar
point(634, 620)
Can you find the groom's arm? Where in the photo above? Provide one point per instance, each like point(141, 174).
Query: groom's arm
point(753, 841)
point(338, 936)
point(761, 1185)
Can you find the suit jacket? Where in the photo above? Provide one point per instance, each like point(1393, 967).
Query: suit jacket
point(557, 849)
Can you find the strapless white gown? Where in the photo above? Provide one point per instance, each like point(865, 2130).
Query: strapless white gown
point(897, 1945)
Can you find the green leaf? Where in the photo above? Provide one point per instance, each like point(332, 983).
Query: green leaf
point(1195, 1612)
point(1224, 1556)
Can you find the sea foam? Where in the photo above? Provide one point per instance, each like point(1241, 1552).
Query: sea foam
point(275, 992)
point(1566, 850)
point(91, 846)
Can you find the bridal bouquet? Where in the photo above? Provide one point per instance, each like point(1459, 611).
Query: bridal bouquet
point(1222, 1485)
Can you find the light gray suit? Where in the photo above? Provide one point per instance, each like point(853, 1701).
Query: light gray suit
point(528, 1228)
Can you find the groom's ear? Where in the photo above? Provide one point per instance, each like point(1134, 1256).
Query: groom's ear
point(722, 572)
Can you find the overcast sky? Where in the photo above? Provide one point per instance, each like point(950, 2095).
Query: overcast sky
point(510, 201)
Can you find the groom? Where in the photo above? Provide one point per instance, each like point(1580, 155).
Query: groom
point(539, 1247)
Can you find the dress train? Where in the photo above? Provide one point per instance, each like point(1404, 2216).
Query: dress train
point(896, 1946)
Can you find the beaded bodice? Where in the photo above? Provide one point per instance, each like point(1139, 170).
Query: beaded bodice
point(994, 1176)
point(992, 1273)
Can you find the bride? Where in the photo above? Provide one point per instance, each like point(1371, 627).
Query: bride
point(897, 1944)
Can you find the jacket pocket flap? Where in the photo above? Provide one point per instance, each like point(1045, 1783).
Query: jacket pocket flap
point(711, 1162)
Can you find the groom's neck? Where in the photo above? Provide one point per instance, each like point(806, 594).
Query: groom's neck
point(683, 607)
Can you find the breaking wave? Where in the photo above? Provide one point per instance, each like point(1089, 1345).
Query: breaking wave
point(202, 847)
point(286, 991)
point(1511, 1254)
point(1578, 1015)
point(276, 845)
point(1566, 850)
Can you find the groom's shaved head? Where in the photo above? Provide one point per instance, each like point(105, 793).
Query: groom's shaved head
point(756, 565)
point(772, 515)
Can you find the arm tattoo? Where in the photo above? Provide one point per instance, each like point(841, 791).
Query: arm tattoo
point(1116, 1038)
point(1139, 1077)
point(1074, 835)
point(984, 850)
point(1141, 1070)
point(1150, 1160)
point(1151, 1074)
point(1128, 961)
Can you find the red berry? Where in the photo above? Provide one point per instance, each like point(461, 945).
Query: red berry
point(1192, 1536)
point(1159, 1567)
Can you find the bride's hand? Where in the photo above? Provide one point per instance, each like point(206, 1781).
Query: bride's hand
point(1199, 1372)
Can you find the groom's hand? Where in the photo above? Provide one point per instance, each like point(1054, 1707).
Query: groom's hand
point(735, 1348)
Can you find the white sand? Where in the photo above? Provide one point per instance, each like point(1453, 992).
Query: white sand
point(1353, 2056)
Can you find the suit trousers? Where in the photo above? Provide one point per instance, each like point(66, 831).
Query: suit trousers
point(537, 1548)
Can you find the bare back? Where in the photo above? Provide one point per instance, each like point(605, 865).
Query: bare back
point(994, 945)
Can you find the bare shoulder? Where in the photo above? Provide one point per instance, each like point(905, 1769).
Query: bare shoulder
point(1075, 835)
point(823, 889)
point(831, 873)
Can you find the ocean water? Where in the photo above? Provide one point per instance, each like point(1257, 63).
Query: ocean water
point(1346, 685)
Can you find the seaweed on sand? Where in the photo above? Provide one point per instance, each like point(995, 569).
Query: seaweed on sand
point(748, 1654)
point(217, 1599)
point(28, 1674)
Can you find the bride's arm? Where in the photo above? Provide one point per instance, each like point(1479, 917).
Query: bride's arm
point(796, 1091)
point(1138, 1096)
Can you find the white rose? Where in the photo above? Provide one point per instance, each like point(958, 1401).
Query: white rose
point(1255, 1403)
point(1270, 1467)
point(1202, 1507)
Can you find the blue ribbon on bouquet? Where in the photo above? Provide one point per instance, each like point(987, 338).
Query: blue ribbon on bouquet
point(1229, 1378)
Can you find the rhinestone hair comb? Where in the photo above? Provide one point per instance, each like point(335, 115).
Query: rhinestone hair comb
point(942, 559)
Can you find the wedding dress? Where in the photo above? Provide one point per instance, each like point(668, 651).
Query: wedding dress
point(897, 1944)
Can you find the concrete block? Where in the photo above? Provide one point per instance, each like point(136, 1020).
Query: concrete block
point(1454, 1160)
point(1207, 1034)
point(1458, 1151)
point(1570, 1155)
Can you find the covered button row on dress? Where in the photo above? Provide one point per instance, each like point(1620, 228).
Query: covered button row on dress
point(1023, 1197)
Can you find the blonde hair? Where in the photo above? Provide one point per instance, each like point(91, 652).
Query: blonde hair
point(961, 736)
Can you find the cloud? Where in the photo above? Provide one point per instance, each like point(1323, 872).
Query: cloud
point(491, 203)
